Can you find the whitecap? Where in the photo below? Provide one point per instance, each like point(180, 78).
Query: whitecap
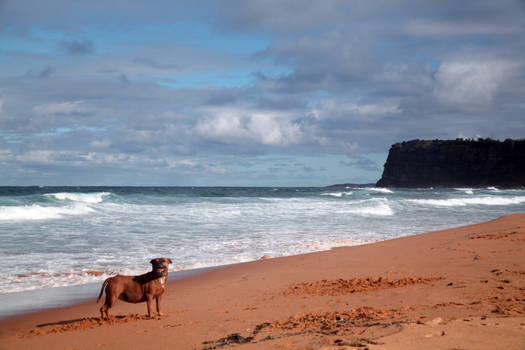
point(37, 212)
point(94, 197)
point(375, 207)
point(466, 190)
point(337, 194)
point(461, 202)
point(377, 210)
point(379, 189)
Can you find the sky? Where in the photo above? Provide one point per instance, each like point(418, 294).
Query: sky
point(248, 93)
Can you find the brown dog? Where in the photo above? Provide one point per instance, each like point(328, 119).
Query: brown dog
point(137, 289)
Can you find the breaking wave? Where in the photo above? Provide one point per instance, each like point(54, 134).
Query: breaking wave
point(337, 194)
point(369, 207)
point(38, 212)
point(466, 190)
point(461, 202)
point(65, 236)
point(96, 197)
point(379, 189)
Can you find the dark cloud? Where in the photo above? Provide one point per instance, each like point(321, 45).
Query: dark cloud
point(308, 16)
point(42, 74)
point(123, 79)
point(46, 72)
point(156, 65)
point(77, 47)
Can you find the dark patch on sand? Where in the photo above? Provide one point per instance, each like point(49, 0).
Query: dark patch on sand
point(354, 326)
point(498, 235)
point(348, 286)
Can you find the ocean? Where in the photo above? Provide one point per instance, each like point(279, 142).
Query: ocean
point(55, 237)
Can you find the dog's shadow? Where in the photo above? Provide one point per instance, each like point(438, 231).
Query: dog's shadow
point(59, 323)
point(90, 322)
point(77, 320)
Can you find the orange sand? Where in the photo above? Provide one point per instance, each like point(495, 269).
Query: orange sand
point(462, 288)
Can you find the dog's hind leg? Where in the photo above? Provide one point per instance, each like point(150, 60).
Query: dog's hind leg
point(108, 304)
point(103, 311)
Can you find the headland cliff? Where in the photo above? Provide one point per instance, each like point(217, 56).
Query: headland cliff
point(453, 163)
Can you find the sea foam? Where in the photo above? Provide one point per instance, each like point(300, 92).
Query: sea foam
point(461, 202)
point(64, 236)
point(37, 212)
point(96, 197)
point(466, 190)
point(379, 189)
point(337, 194)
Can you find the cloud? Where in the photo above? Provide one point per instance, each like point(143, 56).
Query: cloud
point(248, 126)
point(100, 143)
point(77, 47)
point(337, 108)
point(308, 15)
point(156, 65)
point(37, 157)
point(362, 163)
point(327, 61)
point(335, 145)
point(190, 166)
point(46, 72)
point(62, 108)
point(472, 85)
point(123, 78)
point(451, 28)
point(196, 93)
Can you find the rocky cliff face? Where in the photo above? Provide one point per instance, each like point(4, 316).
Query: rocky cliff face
point(469, 163)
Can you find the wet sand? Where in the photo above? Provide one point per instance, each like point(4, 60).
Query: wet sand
point(462, 288)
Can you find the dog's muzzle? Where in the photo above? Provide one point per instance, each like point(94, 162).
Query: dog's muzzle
point(160, 269)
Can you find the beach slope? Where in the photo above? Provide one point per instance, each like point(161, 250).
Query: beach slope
point(461, 288)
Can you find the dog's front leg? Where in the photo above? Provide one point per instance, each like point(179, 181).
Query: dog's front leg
point(159, 299)
point(149, 301)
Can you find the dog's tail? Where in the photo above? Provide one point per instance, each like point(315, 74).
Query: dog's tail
point(102, 289)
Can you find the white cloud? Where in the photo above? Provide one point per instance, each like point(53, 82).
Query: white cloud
point(5, 155)
point(37, 156)
point(233, 125)
point(190, 166)
point(333, 108)
point(471, 85)
point(101, 143)
point(61, 108)
point(271, 130)
point(336, 146)
point(227, 128)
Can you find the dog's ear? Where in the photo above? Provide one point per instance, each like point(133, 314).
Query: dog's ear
point(152, 261)
point(169, 261)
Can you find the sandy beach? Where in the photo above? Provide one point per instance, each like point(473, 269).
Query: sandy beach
point(461, 288)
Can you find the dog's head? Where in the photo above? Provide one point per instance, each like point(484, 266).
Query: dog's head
point(160, 265)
